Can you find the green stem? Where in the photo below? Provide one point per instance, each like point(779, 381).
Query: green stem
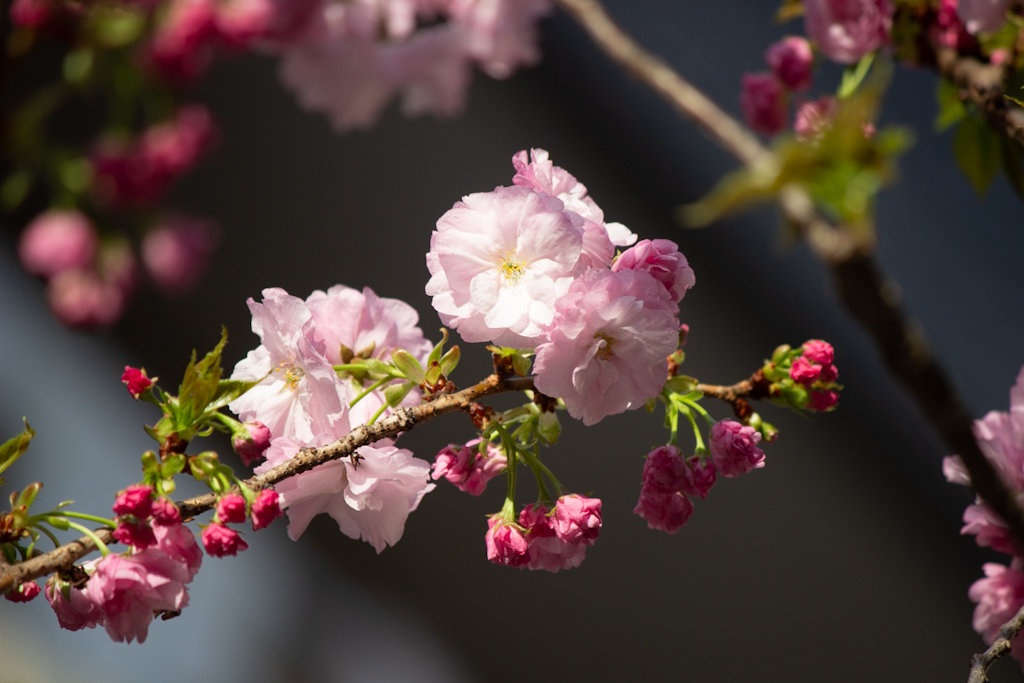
point(696, 433)
point(361, 396)
point(81, 515)
point(88, 533)
point(35, 538)
point(700, 409)
point(377, 414)
point(56, 543)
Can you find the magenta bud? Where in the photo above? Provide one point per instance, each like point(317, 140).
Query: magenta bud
point(231, 509)
point(255, 447)
point(265, 509)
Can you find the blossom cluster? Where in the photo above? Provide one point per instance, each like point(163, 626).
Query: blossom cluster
point(535, 265)
point(308, 393)
point(805, 377)
point(1000, 595)
point(545, 539)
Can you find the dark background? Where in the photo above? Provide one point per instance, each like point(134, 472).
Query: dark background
point(838, 561)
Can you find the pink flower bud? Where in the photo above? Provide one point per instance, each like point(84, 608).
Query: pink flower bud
point(73, 609)
point(24, 593)
point(820, 352)
point(704, 476)
point(577, 519)
point(662, 259)
point(846, 30)
point(137, 382)
point(466, 468)
point(815, 117)
point(172, 148)
point(136, 534)
point(663, 511)
point(764, 103)
point(81, 299)
point(179, 50)
point(666, 470)
point(137, 499)
point(231, 509)
point(165, 512)
point(56, 241)
point(829, 373)
point(822, 400)
point(804, 372)
point(255, 447)
point(220, 541)
point(177, 252)
point(265, 509)
point(791, 59)
point(505, 543)
point(734, 448)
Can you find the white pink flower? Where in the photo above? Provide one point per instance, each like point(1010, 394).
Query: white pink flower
point(1000, 596)
point(499, 260)
point(607, 345)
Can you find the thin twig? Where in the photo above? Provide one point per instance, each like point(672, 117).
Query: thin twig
point(402, 420)
point(871, 297)
point(981, 663)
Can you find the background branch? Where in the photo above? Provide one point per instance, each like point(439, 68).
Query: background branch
point(982, 84)
point(402, 420)
point(867, 293)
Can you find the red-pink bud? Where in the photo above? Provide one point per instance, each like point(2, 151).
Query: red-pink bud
point(255, 447)
point(265, 509)
point(31, 13)
point(165, 512)
point(804, 372)
point(829, 373)
point(764, 103)
point(220, 541)
point(577, 519)
point(135, 500)
point(136, 381)
point(704, 476)
point(56, 241)
point(791, 59)
point(24, 593)
point(663, 511)
point(820, 352)
point(734, 448)
point(231, 509)
point(505, 543)
point(823, 400)
point(136, 534)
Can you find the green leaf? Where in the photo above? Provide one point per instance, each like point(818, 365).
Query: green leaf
point(28, 494)
point(853, 76)
point(173, 465)
point(977, 151)
point(549, 428)
point(521, 364)
point(16, 447)
point(450, 360)
point(200, 384)
point(227, 391)
point(15, 188)
point(681, 385)
point(408, 365)
point(396, 393)
point(951, 108)
point(435, 353)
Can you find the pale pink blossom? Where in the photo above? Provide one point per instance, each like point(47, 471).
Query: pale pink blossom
point(734, 448)
point(255, 23)
point(665, 469)
point(136, 500)
point(544, 549)
point(468, 469)
point(177, 251)
point(607, 345)
point(252, 449)
point(983, 16)
point(663, 511)
point(846, 30)
point(299, 394)
point(231, 508)
point(704, 476)
point(506, 543)
point(499, 261)
point(265, 509)
point(127, 589)
point(503, 34)
point(955, 471)
point(370, 499)
point(663, 260)
point(763, 101)
point(989, 529)
point(577, 519)
point(815, 117)
point(374, 326)
point(73, 609)
point(56, 241)
point(179, 543)
point(221, 541)
point(791, 60)
point(1000, 435)
point(1000, 596)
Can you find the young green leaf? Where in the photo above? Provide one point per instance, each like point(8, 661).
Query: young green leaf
point(16, 447)
point(409, 366)
point(396, 393)
point(978, 154)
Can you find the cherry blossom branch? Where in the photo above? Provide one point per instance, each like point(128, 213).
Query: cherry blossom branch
point(981, 663)
point(866, 292)
point(402, 420)
point(736, 395)
point(982, 84)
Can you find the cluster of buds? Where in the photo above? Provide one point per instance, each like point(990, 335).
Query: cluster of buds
point(765, 96)
point(805, 377)
point(219, 539)
point(668, 478)
point(543, 539)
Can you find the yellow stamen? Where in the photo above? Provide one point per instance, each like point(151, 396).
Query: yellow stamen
point(605, 352)
point(511, 268)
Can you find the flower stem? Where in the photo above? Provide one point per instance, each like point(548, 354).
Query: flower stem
point(81, 515)
point(88, 533)
point(361, 396)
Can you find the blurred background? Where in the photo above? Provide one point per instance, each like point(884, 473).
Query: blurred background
point(841, 560)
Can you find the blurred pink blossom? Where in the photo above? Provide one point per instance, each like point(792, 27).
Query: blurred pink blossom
point(1000, 595)
point(231, 508)
point(704, 476)
point(136, 499)
point(814, 118)
point(763, 101)
point(177, 252)
point(791, 60)
point(82, 299)
point(57, 240)
point(73, 609)
point(983, 16)
point(846, 30)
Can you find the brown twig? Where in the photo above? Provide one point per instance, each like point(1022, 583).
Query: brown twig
point(401, 421)
point(982, 84)
point(756, 387)
point(868, 295)
point(981, 663)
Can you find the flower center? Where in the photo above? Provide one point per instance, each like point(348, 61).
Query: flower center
point(511, 268)
point(605, 352)
point(292, 374)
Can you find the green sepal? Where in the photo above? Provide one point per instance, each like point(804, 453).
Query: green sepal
point(14, 448)
point(165, 487)
point(172, 466)
point(150, 464)
point(549, 428)
point(28, 494)
point(408, 366)
point(396, 393)
point(680, 384)
point(450, 361)
point(780, 353)
point(521, 364)
point(650, 404)
point(435, 353)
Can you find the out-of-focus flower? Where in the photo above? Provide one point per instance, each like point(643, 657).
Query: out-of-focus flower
point(165, 512)
point(31, 13)
point(73, 609)
point(607, 344)
point(468, 469)
point(179, 543)
point(704, 476)
point(734, 448)
point(763, 101)
point(989, 529)
point(791, 59)
point(137, 499)
point(180, 48)
point(56, 241)
point(81, 299)
point(814, 118)
point(499, 260)
point(663, 260)
point(983, 16)
point(221, 541)
point(1000, 596)
point(137, 534)
point(177, 252)
point(137, 382)
point(823, 400)
point(846, 30)
point(804, 372)
point(820, 352)
point(25, 592)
